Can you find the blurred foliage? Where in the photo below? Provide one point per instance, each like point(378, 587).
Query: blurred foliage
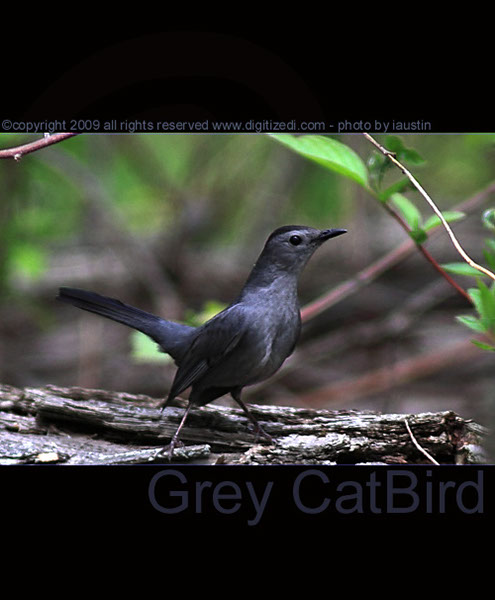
point(210, 309)
point(227, 187)
point(484, 302)
point(483, 296)
point(153, 182)
point(144, 349)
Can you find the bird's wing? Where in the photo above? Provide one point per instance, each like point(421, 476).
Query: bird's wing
point(215, 339)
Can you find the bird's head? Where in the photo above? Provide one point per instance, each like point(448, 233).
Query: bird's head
point(291, 246)
point(287, 250)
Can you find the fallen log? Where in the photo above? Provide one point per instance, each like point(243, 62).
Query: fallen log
point(94, 427)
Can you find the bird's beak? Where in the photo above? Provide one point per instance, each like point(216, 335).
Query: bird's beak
point(326, 234)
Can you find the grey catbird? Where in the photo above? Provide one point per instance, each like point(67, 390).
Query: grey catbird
point(243, 344)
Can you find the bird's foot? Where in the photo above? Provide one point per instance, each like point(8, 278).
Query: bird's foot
point(174, 443)
point(168, 450)
point(259, 431)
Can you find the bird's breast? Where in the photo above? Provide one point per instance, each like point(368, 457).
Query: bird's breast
point(271, 342)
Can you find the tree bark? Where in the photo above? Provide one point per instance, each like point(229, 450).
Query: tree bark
point(94, 427)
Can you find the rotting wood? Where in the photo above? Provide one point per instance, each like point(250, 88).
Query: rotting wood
point(93, 427)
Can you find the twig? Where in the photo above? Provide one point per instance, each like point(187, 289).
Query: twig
point(19, 151)
point(428, 256)
point(374, 270)
point(415, 442)
point(382, 379)
point(458, 247)
point(362, 278)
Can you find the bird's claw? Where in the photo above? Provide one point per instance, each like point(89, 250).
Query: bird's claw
point(259, 431)
point(174, 443)
point(168, 450)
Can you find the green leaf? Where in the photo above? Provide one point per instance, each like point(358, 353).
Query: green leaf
point(399, 186)
point(403, 154)
point(491, 245)
point(394, 144)
point(490, 259)
point(487, 298)
point(27, 260)
point(449, 215)
point(407, 209)
point(489, 219)
point(411, 156)
point(461, 268)
point(329, 153)
point(210, 309)
point(475, 296)
point(472, 322)
point(483, 346)
point(418, 235)
point(376, 162)
point(144, 349)
point(377, 165)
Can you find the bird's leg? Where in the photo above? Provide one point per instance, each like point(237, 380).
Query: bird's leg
point(236, 395)
point(175, 437)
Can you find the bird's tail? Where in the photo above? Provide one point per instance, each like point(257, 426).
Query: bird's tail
point(168, 334)
point(107, 307)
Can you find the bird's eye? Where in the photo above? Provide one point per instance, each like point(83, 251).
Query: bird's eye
point(295, 240)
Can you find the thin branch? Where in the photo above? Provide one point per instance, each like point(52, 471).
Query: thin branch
point(362, 278)
point(382, 379)
point(421, 449)
point(458, 247)
point(427, 255)
point(374, 270)
point(19, 151)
